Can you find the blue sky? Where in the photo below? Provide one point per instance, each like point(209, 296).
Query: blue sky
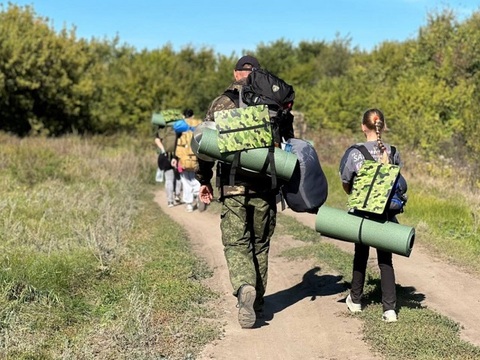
point(231, 26)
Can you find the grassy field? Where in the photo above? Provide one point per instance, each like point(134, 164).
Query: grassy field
point(89, 272)
point(87, 268)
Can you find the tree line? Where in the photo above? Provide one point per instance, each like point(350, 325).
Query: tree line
point(53, 82)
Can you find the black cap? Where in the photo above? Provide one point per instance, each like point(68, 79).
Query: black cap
point(247, 59)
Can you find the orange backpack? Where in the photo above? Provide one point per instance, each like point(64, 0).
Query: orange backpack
point(184, 152)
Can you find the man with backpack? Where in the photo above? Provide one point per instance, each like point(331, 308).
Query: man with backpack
point(248, 215)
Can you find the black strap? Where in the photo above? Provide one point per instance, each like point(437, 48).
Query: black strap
point(271, 160)
point(393, 150)
point(233, 95)
point(233, 169)
point(366, 154)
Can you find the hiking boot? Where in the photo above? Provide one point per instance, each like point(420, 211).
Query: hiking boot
point(189, 207)
point(246, 313)
point(352, 306)
point(170, 204)
point(389, 316)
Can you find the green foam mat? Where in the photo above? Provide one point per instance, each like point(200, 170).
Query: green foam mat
point(384, 235)
point(253, 159)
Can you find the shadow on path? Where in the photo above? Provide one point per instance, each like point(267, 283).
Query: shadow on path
point(311, 286)
point(406, 296)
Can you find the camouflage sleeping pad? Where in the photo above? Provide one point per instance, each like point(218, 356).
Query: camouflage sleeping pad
point(243, 128)
point(372, 187)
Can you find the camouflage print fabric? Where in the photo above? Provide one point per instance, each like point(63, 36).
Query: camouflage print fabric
point(164, 117)
point(372, 186)
point(243, 128)
point(223, 102)
point(171, 115)
point(247, 225)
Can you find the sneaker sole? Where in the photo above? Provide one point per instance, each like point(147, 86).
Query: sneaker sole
point(246, 313)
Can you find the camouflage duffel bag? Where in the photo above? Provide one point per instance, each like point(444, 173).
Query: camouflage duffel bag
point(243, 128)
point(372, 187)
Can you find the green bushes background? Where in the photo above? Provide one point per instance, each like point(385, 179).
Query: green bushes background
point(53, 83)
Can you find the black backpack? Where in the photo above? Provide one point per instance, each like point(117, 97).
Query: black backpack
point(265, 88)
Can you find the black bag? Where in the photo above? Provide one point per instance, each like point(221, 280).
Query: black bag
point(264, 88)
point(163, 162)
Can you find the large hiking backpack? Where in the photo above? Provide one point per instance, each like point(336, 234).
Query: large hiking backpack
point(376, 185)
point(263, 108)
point(184, 152)
point(307, 190)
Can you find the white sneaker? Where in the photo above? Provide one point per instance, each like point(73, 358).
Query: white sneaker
point(189, 207)
point(389, 316)
point(352, 306)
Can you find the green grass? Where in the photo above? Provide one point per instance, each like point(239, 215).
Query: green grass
point(91, 268)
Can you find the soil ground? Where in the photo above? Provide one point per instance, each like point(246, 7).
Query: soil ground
point(305, 312)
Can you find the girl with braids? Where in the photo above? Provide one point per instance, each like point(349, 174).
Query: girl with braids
point(373, 125)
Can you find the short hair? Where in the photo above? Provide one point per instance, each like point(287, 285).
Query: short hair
point(188, 113)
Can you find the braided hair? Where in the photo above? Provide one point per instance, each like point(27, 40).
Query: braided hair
point(373, 119)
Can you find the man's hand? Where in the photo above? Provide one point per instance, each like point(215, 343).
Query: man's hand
point(205, 193)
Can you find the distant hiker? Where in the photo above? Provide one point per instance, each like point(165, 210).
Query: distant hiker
point(248, 215)
point(188, 163)
point(168, 163)
point(373, 126)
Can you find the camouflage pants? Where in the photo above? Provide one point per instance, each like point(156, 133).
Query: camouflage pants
point(247, 225)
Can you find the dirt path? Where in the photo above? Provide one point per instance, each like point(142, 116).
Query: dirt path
point(445, 288)
point(306, 316)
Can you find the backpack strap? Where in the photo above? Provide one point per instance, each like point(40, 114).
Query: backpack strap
point(234, 95)
point(393, 150)
point(366, 154)
point(271, 160)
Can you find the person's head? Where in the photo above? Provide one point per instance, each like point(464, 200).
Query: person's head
point(373, 122)
point(188, 113)
point(244, 66)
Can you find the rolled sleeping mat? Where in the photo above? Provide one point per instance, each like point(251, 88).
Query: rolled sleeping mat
point(205, 145)
point(383, 235)
point(166, 117)
point(158, 119)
